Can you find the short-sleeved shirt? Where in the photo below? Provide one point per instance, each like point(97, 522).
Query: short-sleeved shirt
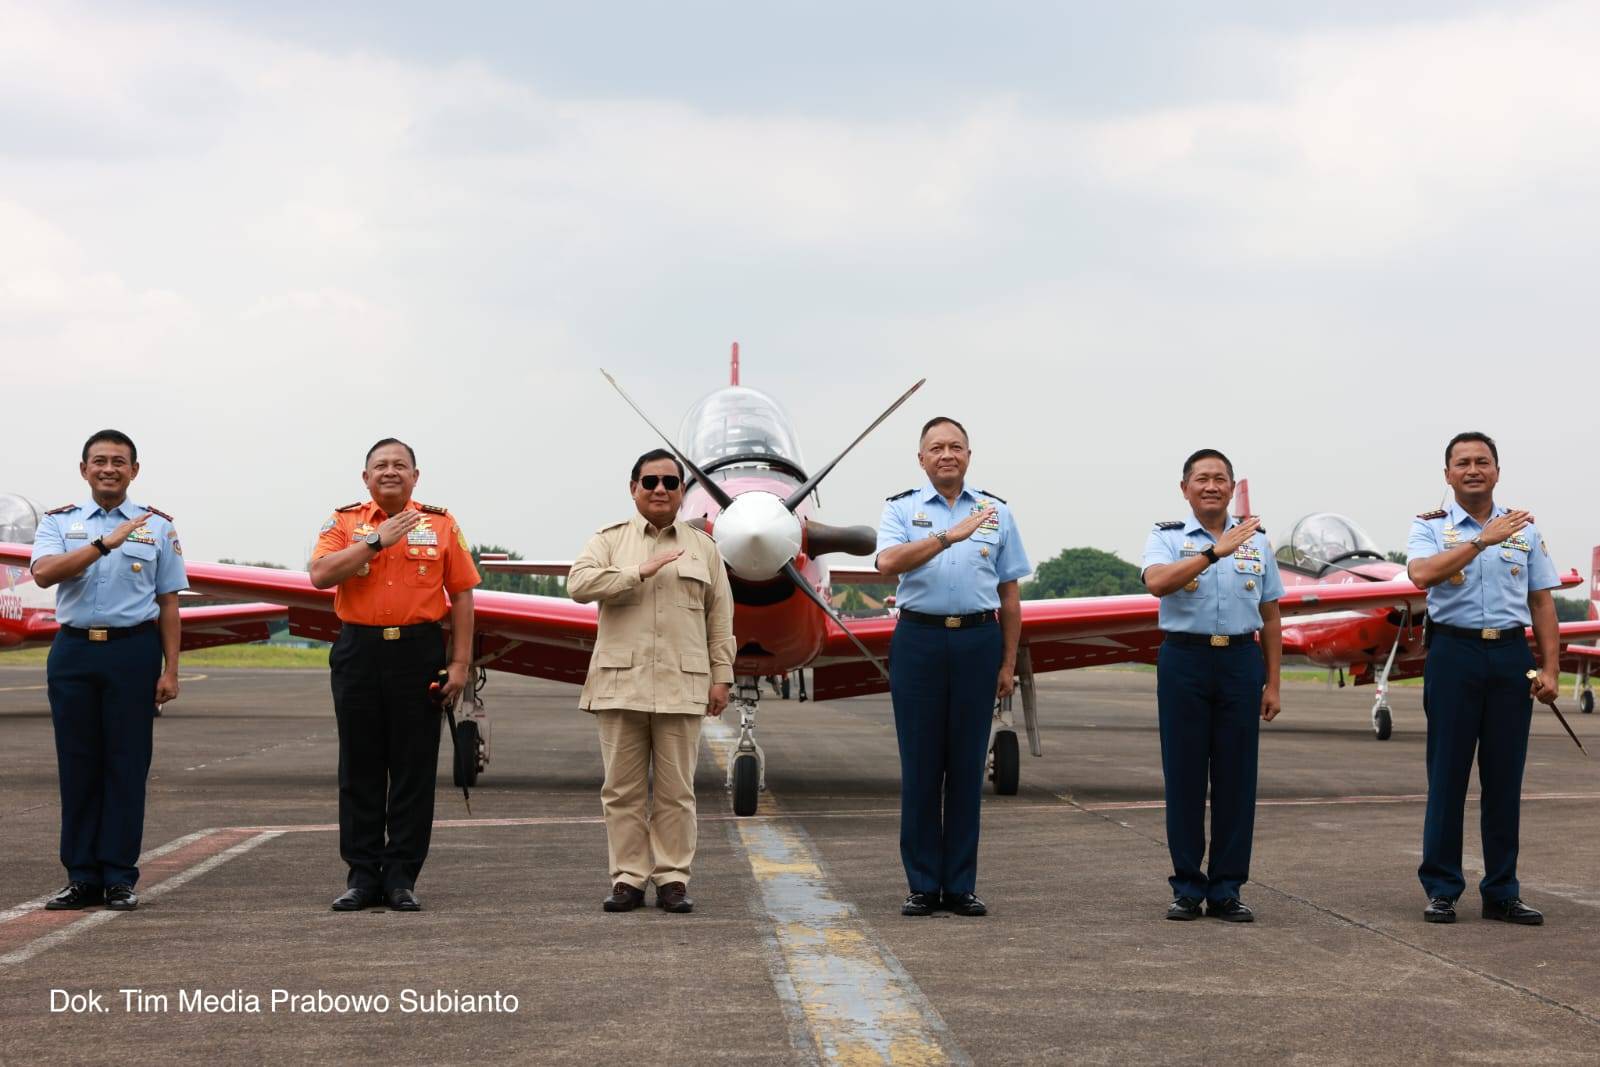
point(1226, 597)
point(405, 583)
point(1491, 591)
point(120, 589)
point(964, 578)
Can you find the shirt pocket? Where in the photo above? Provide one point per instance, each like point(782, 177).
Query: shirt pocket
point(139, 564)
point(696, 671)
point(1247, 576)
point(613, 664)
point(694, 582)
point(1512, 563)
point(422, 573)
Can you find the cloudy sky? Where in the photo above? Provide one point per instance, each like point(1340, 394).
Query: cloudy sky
point(1322, 237)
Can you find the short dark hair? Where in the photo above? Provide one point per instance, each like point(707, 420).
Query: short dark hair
point(650, 457)
point(1471, 435)
point(1206, 453)
point(391, 441)
point(936, 420)
point(116, 437)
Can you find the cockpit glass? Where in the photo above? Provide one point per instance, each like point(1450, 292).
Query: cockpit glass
point(1323, 538)
point(738, 422)
point(18, 519)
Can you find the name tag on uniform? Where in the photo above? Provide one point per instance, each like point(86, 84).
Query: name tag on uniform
point(82, 535)
point(921, 519)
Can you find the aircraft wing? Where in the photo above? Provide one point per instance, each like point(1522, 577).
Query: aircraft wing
point(546, 637)
point(1584, 651)
point(1088, 631)
point(857, 576)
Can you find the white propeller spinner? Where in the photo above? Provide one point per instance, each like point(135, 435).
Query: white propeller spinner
point(757, 535)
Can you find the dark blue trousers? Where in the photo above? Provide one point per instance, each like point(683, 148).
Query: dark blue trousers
point(942, 682)
point(1476, 697)
point(102, 704)
point(388, 752)
point(1209, 702)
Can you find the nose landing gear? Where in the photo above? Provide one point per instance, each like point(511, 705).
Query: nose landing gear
point(747, 770)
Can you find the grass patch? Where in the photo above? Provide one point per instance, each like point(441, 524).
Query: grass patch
point(258, 657)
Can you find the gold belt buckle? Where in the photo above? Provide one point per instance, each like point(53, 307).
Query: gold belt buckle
point(1490, 635)
point(99, 635)
point(391, 633)
point(1219, 640)
point(952, 622)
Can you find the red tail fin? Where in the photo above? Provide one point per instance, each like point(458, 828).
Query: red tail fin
point(1241, 498)
point(1594, 584)
point(735, 376)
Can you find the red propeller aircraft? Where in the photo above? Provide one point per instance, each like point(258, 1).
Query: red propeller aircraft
point(750, 490)
point(1376, 647)
point(28, 613)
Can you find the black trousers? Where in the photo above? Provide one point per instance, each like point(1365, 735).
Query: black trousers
point(388, 751)
point(103, 704)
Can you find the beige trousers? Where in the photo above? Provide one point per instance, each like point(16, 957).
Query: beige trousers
point(632, 744)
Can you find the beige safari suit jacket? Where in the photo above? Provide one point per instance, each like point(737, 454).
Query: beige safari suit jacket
point(663, 640)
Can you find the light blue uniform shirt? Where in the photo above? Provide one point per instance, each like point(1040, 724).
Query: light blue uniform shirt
point(1494, 588)
point(964, 578)
point(1227, 596)
point(120, 589)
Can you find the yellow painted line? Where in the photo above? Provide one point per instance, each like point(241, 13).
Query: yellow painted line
point(855, 1002)
point(34, 688)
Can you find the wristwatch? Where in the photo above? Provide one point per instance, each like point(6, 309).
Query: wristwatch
point(1477, 543)
point(944, 541)
point(1209, 553)
point(373, 541)
point(100, 543)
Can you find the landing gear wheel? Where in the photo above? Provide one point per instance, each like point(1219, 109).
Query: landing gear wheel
point(1586, 702)
point(1382, 722)
point(466, 761)
point(1007, 764)
point(783, 687)
point(746, 783)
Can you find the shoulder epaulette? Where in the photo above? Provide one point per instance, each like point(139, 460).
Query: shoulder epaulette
point(350, 507)
point(613, 526)
point(900, 496)
point(997, 496)
point(1439, 514)
point(435, 508)
point(1174, 525)
point(62, 510)
point(158, 511)
point(701, 532)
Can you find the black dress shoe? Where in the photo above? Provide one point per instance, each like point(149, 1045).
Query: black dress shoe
point(355, 899)
point(1440, 910)
point(121, 898)
point(920, 904)
point(965, 904)
point(1232, 910)
point(1184, 909)
point(402, 900)
point(624, 897)
point(1512, 910)
point(674, 897)
point(76, 895)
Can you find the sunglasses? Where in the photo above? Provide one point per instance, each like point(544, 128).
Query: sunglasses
point(669, 482)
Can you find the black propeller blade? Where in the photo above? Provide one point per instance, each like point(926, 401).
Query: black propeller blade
point(820, 601)
point(811, 483)
point(715, 491)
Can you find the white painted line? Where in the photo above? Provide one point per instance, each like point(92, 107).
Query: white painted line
point(855, 999)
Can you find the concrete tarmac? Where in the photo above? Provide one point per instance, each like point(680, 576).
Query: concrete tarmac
point(796, 951)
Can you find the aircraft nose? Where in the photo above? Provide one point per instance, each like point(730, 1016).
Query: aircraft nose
point(757, 535)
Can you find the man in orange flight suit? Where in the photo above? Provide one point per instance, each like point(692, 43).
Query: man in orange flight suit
point(393, 562)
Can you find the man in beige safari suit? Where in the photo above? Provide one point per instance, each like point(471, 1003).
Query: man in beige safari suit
point(662, 660)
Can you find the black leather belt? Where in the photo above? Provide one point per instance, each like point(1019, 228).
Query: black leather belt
point(391, 633)
point(1490, 634)
point(1212, 640)
point(107, 633)
point(949, 622)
